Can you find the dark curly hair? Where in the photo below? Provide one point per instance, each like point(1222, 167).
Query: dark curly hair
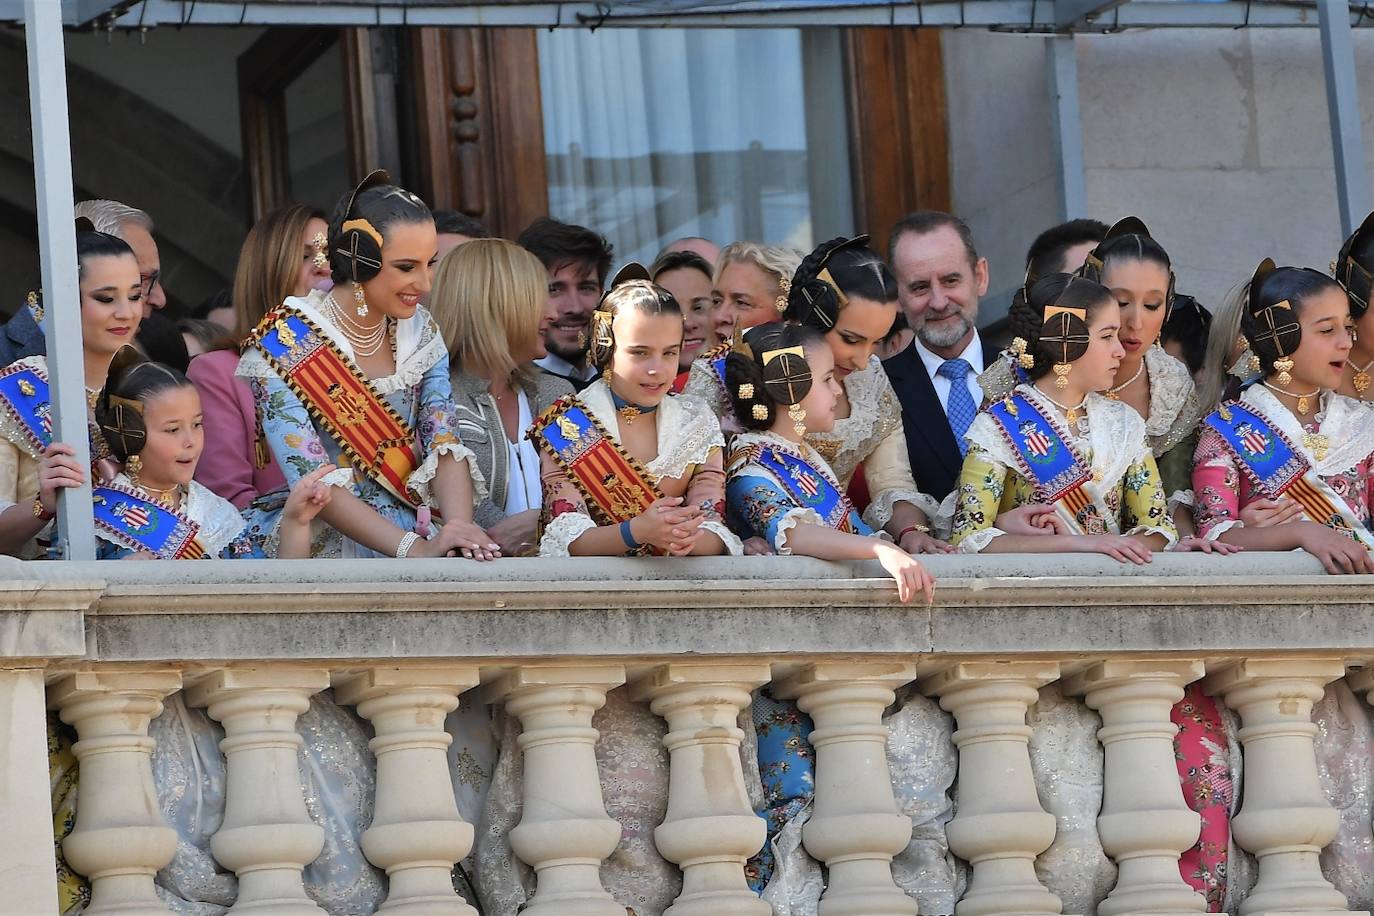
point(1028, 316)
point(1270, 287)
point(857, 271)
point(777, 385)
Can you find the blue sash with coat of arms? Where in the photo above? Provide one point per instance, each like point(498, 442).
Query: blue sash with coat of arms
point(25, 397)
point(127, 519)
point(811, 488)
point(1044, 456)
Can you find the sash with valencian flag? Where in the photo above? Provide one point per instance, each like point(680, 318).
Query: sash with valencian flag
point(1277, 469)
point(373, 437)
point(807, 484)
point(615, 487)
point(1045, 457)
point(135, 522)
point(24, 396)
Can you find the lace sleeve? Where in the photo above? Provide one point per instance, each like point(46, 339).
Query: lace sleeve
point(982, 482)
point(888, 473)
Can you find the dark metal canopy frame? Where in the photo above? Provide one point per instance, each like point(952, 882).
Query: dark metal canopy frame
point(1058, 20)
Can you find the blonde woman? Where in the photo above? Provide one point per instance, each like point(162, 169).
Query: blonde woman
point(284, 255)
point(751, 286)
point(490, 300)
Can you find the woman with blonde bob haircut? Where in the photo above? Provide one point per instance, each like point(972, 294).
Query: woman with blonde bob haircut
point(284, 255)
point(491, 302)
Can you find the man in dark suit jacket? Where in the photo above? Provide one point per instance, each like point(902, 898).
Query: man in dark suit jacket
point(940, 278)
point(22, 336)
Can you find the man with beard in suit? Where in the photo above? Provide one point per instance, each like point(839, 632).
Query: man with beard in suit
point(940, 278)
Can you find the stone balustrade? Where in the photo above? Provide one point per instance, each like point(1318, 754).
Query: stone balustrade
point(104, 647)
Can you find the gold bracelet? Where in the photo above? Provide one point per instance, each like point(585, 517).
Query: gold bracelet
point(40, 512)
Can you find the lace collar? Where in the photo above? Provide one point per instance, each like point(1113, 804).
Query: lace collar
point(1347, 425)
point(1174, 411)
point(687, 429)
point(219, 521)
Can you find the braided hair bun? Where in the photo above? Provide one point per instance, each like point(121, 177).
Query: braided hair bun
point(1064, 337)
point(830, 275)
point(1354, 267)
point(759, 389)
point(1269, 320)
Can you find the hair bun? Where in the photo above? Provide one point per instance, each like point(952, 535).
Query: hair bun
point(631, 271)
point(1354, 267)
point(786, 375)
point(84, 224)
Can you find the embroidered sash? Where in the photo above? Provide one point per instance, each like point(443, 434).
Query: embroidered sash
point(336, 393)
point(129, 520)
point(1278, 469)
point(808, 485)
point(25, 398)
point(1043, 454)
point(616, 488)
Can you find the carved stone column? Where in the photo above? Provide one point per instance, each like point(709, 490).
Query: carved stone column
point(1284, 818)
point(120, 839)
point(710, 830)
point(1000, 827)
point(1145, 824)
point(267, 836)
point(26, 807)
point(416, 834)
point(564, 831)
point(855, 827)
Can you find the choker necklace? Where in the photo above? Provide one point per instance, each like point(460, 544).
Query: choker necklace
point(365, 341)
point(1361, 380)
point(1115, 393)
point(164, 496)
point(1304, 405)
point(629, 412)
point(1070, 413)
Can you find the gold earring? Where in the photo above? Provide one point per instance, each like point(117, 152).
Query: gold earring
point(1284, 367)
point(760, 412)
point(746, 391)
point(360, 299)
point(133, 467)
point(606, 373)
point(1062, 370)
point(785, 289)
point(797, 413)
point(321, 245)
point(1024, 359)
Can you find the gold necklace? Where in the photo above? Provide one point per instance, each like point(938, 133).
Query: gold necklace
point(165, 497)
point(1317, 444)
point(1115, 393)
point(1304, 405)
point(1361, 379)
point(1070, 413)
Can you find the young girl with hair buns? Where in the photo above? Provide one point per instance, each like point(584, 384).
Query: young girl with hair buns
point(626, 469)
point(1354, 269)
point(1054, 440)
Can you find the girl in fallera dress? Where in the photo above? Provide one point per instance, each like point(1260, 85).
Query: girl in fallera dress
point(359, 377)
point(627, 469)
point(1354, 269)
point(1054, 440)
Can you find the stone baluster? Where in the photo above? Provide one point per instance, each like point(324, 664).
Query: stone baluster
point(1000, 827)
point(855, 827)
point(1145, 824)
point(710, 829)
point(267, 836)
point(564, 831)
point(417, 834)
point(120, 839)
point(1284, 817)
point(26, 879)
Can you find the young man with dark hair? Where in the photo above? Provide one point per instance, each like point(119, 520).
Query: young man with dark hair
point(578, 261)
point(1062, 249)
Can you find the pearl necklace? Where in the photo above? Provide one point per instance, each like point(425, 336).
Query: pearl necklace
point(1070, 413)
point(365, 341)
point(1304, 405)
point(1115, 393)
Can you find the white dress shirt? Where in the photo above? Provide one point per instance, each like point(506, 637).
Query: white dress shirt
point(522, 481)
point(972, 354)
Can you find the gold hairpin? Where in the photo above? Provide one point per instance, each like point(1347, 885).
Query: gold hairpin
point(1052, 310)
point(770, 355)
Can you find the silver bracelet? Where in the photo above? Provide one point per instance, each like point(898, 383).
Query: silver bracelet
point(407, 541)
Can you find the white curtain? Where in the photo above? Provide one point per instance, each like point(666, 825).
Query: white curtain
point(653, 134)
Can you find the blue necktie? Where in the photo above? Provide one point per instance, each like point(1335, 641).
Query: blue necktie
point(961, 409)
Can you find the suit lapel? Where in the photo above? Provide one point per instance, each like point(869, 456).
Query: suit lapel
point(915, 390)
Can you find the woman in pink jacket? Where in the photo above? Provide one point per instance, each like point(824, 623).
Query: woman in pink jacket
point(283, 255)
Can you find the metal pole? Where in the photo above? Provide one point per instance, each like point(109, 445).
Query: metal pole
point(52, 167)
point(1067, 126)
point(1343, 109)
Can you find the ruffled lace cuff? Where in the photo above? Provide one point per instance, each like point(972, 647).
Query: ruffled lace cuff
point(419, 480)
point(790, 518)
point(879, 511)
point(339, 477)
point(562, 531)
point(1180, 498)
point(1221, 528)
point(979, 540)
point(1170, 533)
point(733, 546)
point(942, 522)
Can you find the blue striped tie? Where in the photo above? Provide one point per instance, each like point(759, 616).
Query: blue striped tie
point(961, 409)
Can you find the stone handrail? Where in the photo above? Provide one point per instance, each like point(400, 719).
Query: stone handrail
point(105, 643)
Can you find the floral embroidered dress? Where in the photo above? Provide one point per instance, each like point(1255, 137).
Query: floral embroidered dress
point(223, 530)
point(872, 437)
point(688, 464)
point(1338, 445)
point(1125, 493)
point(420, 393)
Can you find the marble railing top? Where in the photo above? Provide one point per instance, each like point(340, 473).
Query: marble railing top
point(639, 610)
